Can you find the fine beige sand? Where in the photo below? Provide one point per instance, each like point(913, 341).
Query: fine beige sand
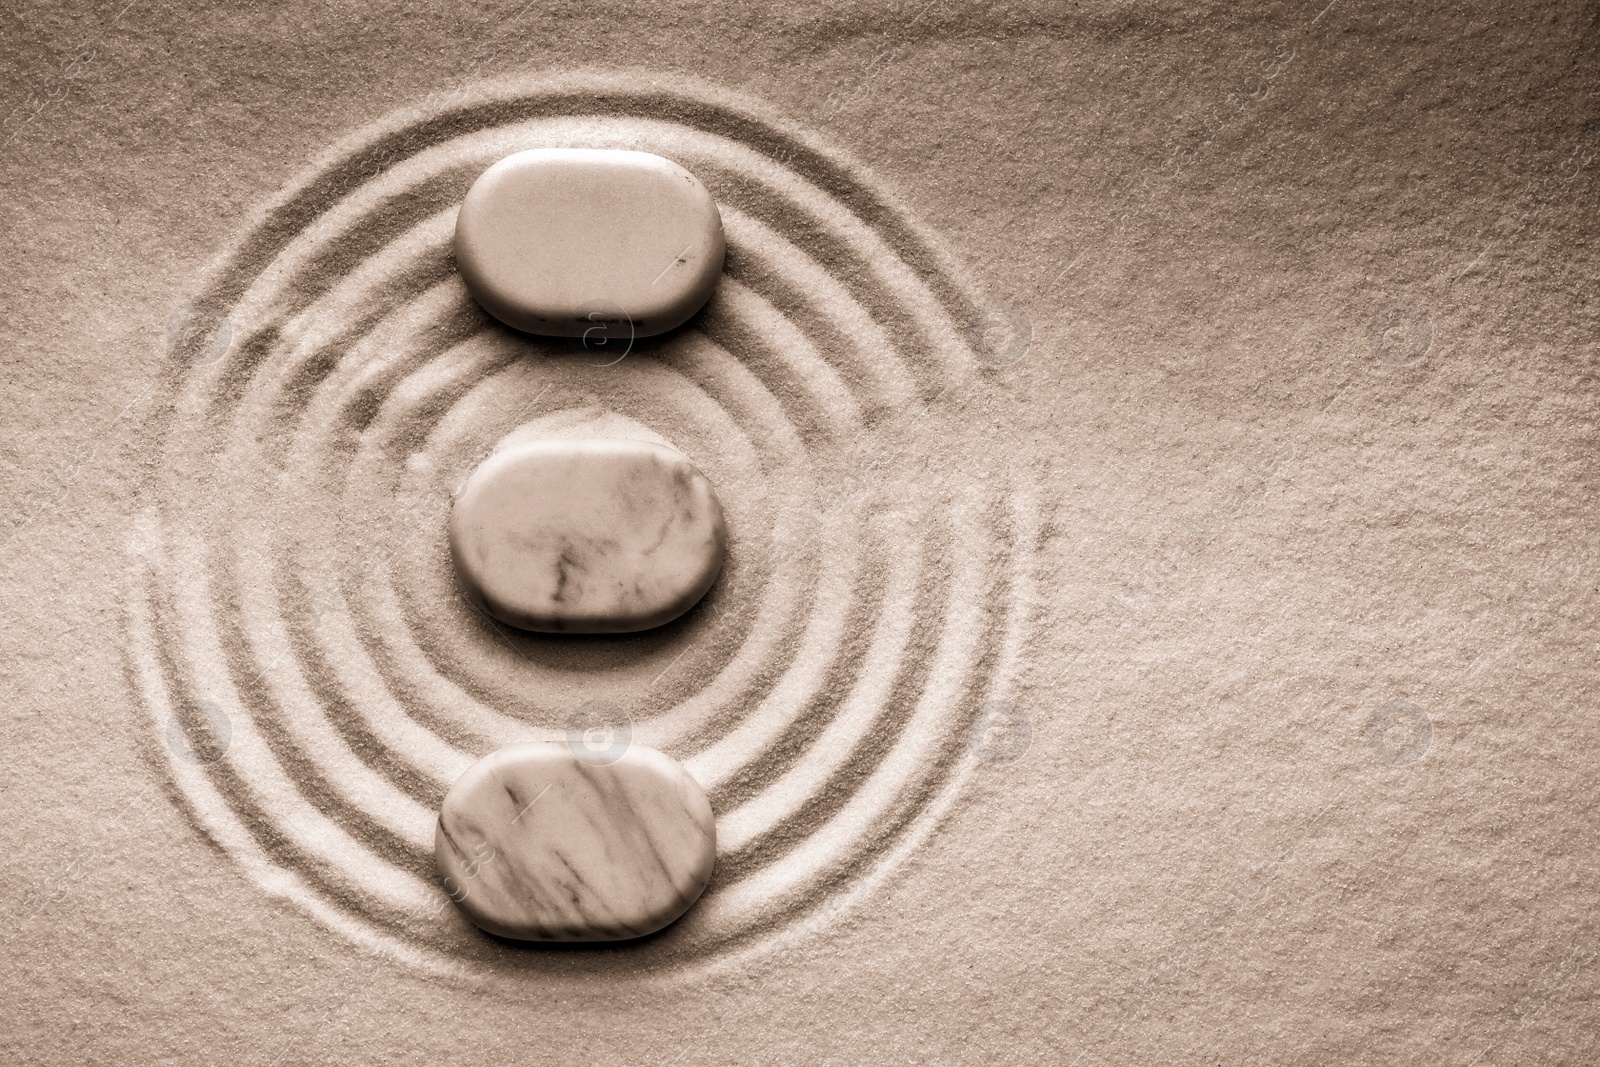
point(1158, 449)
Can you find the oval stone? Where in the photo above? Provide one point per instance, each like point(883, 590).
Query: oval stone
point(536, 843)
point(587, 536)
point(570, 242)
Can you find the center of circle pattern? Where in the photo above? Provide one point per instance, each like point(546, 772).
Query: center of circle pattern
point(292, 612)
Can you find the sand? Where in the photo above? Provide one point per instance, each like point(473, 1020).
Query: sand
point(1157, 445)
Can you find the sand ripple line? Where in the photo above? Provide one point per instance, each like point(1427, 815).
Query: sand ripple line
point(293, 573)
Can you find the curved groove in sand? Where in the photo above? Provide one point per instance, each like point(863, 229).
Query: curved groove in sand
point(293, 574)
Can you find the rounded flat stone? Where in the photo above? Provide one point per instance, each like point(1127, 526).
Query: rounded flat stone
point(537, 843)
point(587, 536)
point(569, 242)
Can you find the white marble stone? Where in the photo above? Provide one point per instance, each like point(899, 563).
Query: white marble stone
point(589, 242)
point(587, 536)
point(536, 844)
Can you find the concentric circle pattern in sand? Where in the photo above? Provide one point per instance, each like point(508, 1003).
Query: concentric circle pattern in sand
point(293, 572)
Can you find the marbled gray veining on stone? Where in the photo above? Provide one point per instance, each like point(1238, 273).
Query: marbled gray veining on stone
point(587, 536)
point(538, 845)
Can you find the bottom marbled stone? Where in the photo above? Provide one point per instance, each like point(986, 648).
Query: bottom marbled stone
point(542, 842)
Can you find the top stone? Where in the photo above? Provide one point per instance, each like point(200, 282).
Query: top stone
point(570, 242)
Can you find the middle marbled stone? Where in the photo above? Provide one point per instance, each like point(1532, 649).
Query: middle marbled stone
point(587, 536)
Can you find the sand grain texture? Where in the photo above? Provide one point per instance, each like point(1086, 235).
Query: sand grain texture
point(1159, 448)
